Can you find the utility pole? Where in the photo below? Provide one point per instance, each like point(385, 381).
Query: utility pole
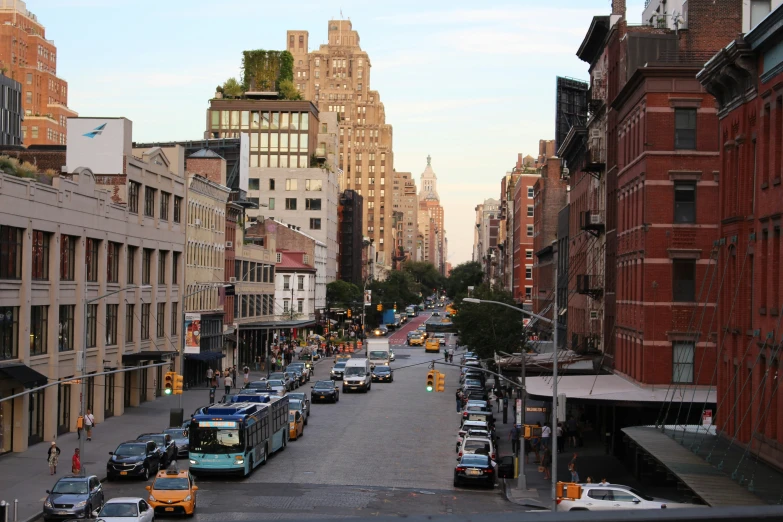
point(553, 436)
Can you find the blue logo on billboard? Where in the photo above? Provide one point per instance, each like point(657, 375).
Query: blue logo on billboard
point(97, 131)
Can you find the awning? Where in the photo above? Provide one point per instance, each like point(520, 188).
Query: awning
point(272, 325)
point(23, 374)
point(205, 356)
point(155, 356)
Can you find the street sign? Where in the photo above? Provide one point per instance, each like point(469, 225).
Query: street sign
point(367, 297)
point(519, 411)
point(706, 418)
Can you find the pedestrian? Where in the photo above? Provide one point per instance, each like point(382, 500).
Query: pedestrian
point(263, 362)
point(546, 435)
point(79, 426)
point(589, 480)
point(76, 462)
point(53, 456)
point(603, 482)
point(528, 448)
point(272, 362)
point(498, 397)
point(546, 463)
point(215, 382)
point(573, 470)
point(560, 437)
point(505, 409)
point(514, 436)
point(571, 430)
point(210, 373)
point(246, 375)
point(459, 401)
point(234, 373)
point(535, 443)
point(228, 383)
point(89, 423)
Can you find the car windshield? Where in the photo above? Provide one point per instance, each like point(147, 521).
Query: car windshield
point(170, 484)
point(294, 404)
point(291, 416)
point(119, 509)
point(275, 382)
point(475, 460)
point(476, 446)
point(277, 375)
point(261, 385)
point(297, 396)
point(378, 354)
point(71, 487)
point(157, 439)
point(130, 450)
point(382, 369)
point(355, 370)
point(215, 440)
point(473, 382)
point(176, 433)
point(323, 385)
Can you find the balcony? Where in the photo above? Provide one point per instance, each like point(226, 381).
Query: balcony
point(592, 222)
point(589, 285)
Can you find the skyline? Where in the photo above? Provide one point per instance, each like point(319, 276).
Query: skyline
point(420, 61)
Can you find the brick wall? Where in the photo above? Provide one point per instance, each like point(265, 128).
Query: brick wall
point(213, 169)
point(712, 25)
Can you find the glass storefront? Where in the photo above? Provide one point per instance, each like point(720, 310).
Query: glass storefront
point(108, 395)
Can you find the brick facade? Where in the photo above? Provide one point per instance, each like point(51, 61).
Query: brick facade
point(549, 196)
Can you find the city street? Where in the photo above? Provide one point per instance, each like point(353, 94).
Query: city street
point(387, 452)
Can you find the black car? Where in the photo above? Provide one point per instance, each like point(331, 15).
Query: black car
point(256, 385)
point(180, 437)
point(303, 369)
point(73, 497)
point(165, 444)
point(324, 391)
point(298, 375)
point(134, 459)
point(475, 469)
point(382, 374)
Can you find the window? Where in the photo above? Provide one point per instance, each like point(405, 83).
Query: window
point(271, 204)
point(10, 252)
point(315, 223)
point(286, 282)
point(684, 202)
point(271, 183)
point(29, 78)
point(300, 305)
point(111, 323)
point(528, 293)
point(529, 253)
point(164, 205)
point(162, 255)
point(313, 204)
point(530, 211)
point(161, 320)
point(290, 184)
point(685, 129)
point(530, 192)
point(313, 184)
point(682, 361)
point(131, 264)
point(759, 9)
point(285, 305)
point(145, 321)
point(175, 268)
point(130, 320)
point(177, 209)
point(92, 325)
point(113, 263)
point(9, 332)
point(684, 280)
point(300, 283)
point(174, 319)
point(253, 184)
point(91, 259)
point(290, 203)
point(39, 317)
point(146, 266)
point(133, 197)
point(528, 272)
point(149, 202)
point(530, 231)
point(40, 255)
point(64, 328)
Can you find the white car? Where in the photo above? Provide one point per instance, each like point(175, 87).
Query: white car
point(127, 509)
point(470, 425)
point(612, 497)
point(473, 444)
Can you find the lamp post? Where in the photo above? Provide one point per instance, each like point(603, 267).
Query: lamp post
point(521, 481)
point(83, 406)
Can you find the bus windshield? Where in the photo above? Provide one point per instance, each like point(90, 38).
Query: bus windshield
point(216, 440)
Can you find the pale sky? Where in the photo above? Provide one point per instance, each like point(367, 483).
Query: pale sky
point(470, 83)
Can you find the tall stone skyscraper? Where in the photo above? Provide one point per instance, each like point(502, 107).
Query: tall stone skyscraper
point(336, 77)
point(429, 202)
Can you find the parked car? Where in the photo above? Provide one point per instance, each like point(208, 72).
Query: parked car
point(180, 438)
point(475, 469)
point(612, 497)
point(301, 396)
point(306, 370)
point(127, 509)
point(73, 497)
point(134, 459)
point(297, 405)
point(479, 445)
point(325, 391)
point(165, 444)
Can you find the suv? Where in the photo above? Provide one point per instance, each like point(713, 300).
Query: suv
point(73, 497)
point(307, 372)
point(479, 445)
point(287, 379)
point(611, 497)
point(133, 459)
point(166, 446)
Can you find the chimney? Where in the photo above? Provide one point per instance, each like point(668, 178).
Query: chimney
point(618, 7)
point(519, 161)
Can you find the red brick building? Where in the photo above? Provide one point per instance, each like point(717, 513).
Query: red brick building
point(746, 79)
point(549, 197)
point(29, 58)
point(523, 256)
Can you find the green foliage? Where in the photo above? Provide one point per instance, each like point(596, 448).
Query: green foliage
point(342, 293)
point(426, 275)
point(264, 70)
point(462, 276)
point(286, 66)
point(287, 91)
point(232, 88)
point(486, 328)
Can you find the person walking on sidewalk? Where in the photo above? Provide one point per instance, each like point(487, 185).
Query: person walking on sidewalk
point(573, 470)
point(234, 373)
point(498, 397)
point(546, 436)
point(246, 375)
point(505, 409)
point(546, 463)
point(54, 455)
point(560, 437)
point(514, 436)
point(76, 462)
point(228, 382)
point(210, 373)
point(89, 422)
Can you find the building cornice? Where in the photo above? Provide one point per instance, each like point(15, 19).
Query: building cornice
point(731, 76)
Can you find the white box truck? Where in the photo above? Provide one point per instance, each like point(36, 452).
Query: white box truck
point(378, 352)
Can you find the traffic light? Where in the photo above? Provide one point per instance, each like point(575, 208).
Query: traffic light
point(349, 313)
point(395, 307)
point(177, 384)
point(431, 378)
point(531, 431)
point(567, 490)
point(441, 382)
point(168, 383)
point(379, 307)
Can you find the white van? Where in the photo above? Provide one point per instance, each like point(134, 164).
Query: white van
point(378, 352)
point(356, 375)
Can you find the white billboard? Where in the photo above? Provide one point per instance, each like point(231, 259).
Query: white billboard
point(244, 160)
point(99, 144)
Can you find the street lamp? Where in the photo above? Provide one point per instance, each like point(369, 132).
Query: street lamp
point(87, 302)
point(522, 483)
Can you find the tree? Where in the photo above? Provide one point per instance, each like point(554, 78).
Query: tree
point(342, 293)
point(232, 88)
point(426, 274)
point(487, 328)
point(462, 276)
point(288, 91)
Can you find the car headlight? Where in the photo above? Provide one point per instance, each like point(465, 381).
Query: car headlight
point(193, 462)
point(81, 504)
point(187, 499)
point(152, 499)
point(48, 503)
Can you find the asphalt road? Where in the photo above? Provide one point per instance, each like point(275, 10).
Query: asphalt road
point(387, 452)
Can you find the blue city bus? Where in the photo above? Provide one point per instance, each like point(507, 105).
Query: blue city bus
point(235, 438)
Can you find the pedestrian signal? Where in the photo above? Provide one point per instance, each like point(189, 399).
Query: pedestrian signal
point(431, 378)
point(531, 431)
point(349, 313)
point(177, 384)
point(441, 382)
point(379, 308)
point(168, 383)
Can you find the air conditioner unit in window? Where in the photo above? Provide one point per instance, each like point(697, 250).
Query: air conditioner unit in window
point(232, 280)
point(596, 219)
point(229, 244)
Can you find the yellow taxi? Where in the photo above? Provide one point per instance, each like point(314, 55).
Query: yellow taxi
point(173, 492)
point(342, 357)
point(432, 345)
point(416, 340)
point(295, 425)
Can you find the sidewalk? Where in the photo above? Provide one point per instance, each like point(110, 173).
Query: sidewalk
point(25, 476)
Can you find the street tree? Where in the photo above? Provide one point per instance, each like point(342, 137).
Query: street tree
point(426, 274)
point(342, 293)
point(488, 328)
point(462, 276)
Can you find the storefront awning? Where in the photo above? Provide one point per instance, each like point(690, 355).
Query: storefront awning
point(273, 325)
point(204, 356)
point(155, 356)
point(23, 374)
